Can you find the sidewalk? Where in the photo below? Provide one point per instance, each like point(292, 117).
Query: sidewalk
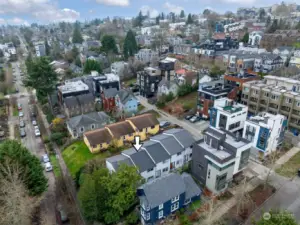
point(286, 157)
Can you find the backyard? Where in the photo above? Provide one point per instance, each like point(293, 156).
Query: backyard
point(130, 82)
point(56, 168)
point(77, 154)
point(290, 168)
point(182, 104)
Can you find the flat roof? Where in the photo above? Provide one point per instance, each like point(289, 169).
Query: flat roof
point(221, 154)
point(73, 86)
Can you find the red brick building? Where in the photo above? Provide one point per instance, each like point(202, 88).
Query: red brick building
point(108, 99)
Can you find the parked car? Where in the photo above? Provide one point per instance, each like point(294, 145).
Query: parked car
point(48, 167)
point(21, 114)
point(19, 106)
point(45, 158)
point(37, 132)
point(22, 132)
point(34, 122)
point(188, 117)
point(195, 119)
point(62, 213)
point(22, 123)
point(164, 124)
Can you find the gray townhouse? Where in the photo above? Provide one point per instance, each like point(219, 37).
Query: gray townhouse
point(80, 104)
point(218, 157)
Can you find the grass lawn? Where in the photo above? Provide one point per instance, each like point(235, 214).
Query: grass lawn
point(77, 154)
point(15, 112)
point(127, 83)
point(140, 107)
point(189, 101)
point(195, 205)
point(56, 168)
point(290, 168)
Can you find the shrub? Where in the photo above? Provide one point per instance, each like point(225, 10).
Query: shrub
point(160, 104)
point(184, 220)
point(46, 139)
point(169, 97)
point(185, 89)
point(57, 137)
point(132, 218)
point(194, 217)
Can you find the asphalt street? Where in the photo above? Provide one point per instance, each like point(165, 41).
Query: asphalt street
point(34, 144)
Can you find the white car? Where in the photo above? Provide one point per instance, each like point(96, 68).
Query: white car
point(48, 167)
point(34, 123)
point(45, 158)
point(37, 132)
point(21, 114)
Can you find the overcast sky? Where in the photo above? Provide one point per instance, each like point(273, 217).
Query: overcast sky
point(46, 11)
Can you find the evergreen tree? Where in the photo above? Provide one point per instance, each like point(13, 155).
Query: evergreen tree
point(78, 62)
point(109, 44)
point(173, 17)
point(157, 20)
point(274, 26)
point(182, 15)
point(189, 19)
point(138, 22)
point(262, 14)
point(245, 39)
point(268, 22)
point(92, 65)
point(77, 37)
point(130, 45)
point(162, 16)
point(47, 47)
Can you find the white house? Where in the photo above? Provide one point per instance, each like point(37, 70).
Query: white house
point(159, 156)
point(285, 52)
point(146, 55)
point(295, 59)
point(166, 87)
point(255, 38)
point(149, 30)
point(265, 131)
point(234, 27)
point(118, 68)
point(228, 115)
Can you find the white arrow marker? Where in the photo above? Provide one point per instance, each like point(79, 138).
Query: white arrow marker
point(137, 145)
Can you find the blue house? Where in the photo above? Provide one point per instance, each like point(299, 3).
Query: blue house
point(126, 103)
point(164, 196)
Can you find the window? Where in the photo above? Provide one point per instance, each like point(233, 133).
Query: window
point(179, 153)
point(161, 206)
point(124, 137)
point(208, 177)
point(191, 155)
point(267, 94)
point(165, 169)
point(274, 97)
point(187, 201)
point(205, 138)
point(152, 127)
point(101, 145)
point(174, 206)
point(221, 182)
point(93, 126)
point(149, 170)
point(288, 100)
point(148, 216)
point(158, 173)
point(298, 104)
point(146, 129)
point(160, 214)
point(150, 178)
point(244, 159)
point(178, 161)
point(176, 198)
point(81, 129)
point(200, 166)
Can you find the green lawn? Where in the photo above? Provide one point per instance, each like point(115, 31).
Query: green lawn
point(141, 107)
point(189, 101)
point(56, 168)
point(77, 154)
point(195, 205)
point(129, 82)
point(290, 168)
point(15, 112)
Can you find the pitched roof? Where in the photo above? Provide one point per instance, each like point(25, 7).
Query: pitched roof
point(85, 98)
point(156, 151)
point(163, 189)
point(98, 136)
point(181, 71)
point(125, 96)
point(169, 143)
point(110, 92)
point(144, 121)
point(120, 129)
point(142, 160)
point(192, 188)
point(167, 83)
point(118, 160)
point(87, 119)
point(71, 102)
point(183, 136)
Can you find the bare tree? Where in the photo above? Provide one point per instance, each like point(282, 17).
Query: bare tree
point(208, 218)
point(272, 158)
point(16, 206)
point(244, 199)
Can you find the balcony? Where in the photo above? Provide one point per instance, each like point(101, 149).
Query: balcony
point(294, 124)
point(252, 99)
point(263, 102)
point(273, 106)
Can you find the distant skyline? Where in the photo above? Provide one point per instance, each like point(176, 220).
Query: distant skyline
point(19, 12)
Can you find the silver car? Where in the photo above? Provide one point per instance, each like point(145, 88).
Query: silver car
point(22, 132)
point(22, 123)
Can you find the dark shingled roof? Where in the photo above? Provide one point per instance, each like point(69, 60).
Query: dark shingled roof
point(71, 102)
point(142, 160)
point(85, 99)
point(110, 92)
point(183, 136)
point(99, 136)
point(144, 121)
point(156, 151)
point(120, 129)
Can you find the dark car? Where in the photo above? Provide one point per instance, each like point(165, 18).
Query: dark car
point(188, 117)
point(164, 124)
point(22, 132)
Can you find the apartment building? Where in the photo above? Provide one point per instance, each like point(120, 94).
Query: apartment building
point(158, 156)
point(148, 81)
point(228, 115)
point(218, 157)
point(238, 79)
point(146, 55)
point(275, 95)
point(265, 131)
point(209, 92)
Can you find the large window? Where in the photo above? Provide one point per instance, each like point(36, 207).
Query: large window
point(148, 216)
point(161, 206)
point(160, 214)
point(158, 173)
point(221, 182)
point(244, 159)
point(174, 206)
point(175, 199)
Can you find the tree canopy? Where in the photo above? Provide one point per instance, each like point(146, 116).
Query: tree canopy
point(109, 44)
point(130, 45)
point(105, 196)
point(77, 37)
point(91, 65)
point(47, 48)
point(189, 19)
point(182, 15)
point(40, 76)
point(245, 38)
point(216, 71)
point(275, 217)
point(34, 179)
